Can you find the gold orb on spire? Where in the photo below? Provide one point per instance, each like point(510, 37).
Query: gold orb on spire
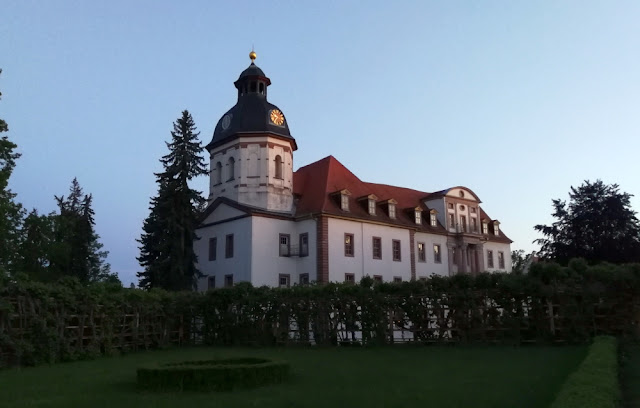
point(253, 55)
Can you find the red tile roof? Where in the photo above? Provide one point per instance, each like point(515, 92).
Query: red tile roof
point(314, 185)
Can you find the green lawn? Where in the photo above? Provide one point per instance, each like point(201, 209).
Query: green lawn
point(398, 376)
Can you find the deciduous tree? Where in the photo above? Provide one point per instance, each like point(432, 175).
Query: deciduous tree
point(597, 224)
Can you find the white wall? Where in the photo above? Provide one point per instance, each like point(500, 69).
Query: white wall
point(223, 212)
point(267, 262)
point(497, 247)
point(362, 263)
point(239, 265)
point(428, 268)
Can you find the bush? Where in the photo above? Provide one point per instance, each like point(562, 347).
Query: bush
point(213, 375)
point(595, 383)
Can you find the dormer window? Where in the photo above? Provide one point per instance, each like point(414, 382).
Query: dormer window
point(433, 221)
point(485, 227)
point(391, 208)
point(372, 207)
point(418, 215)
point(343, 198)
point(496, 228)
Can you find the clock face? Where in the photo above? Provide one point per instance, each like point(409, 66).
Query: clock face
point(226, 121)
point(277, 118)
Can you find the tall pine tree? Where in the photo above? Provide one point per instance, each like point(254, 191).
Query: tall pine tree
point(77, 250)
point(11, 212)
point(166, 251)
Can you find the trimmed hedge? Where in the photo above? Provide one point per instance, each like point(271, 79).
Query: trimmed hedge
point(595, 383)
point(213, 375)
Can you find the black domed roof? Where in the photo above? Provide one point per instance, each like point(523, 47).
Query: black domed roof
point(253, 70)
point(252, 113)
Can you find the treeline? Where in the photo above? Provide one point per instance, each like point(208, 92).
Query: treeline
point(46, 247)
point(65, 321)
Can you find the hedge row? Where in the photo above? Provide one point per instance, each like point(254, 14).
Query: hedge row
point(212, 375)
point(66, 321)
point(595, 383)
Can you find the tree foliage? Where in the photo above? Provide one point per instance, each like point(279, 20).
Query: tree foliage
point(76, 250)
point(166, 244)
point(597, 224)
point(11, 212)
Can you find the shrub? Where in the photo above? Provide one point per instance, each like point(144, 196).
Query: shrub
point(212, 375)
point(595, 383)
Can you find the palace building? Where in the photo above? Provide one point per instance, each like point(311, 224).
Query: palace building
point(269, 225)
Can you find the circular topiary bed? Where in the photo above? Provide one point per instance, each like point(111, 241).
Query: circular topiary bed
point(212, 375)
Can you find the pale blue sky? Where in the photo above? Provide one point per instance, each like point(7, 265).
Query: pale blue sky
point(516, 100)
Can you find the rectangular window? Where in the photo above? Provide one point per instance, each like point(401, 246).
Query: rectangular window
point(422, 253)
point(377, 278)
point(496, 229)
point(213, 244)
point(485, 228)
point(437, 255)
point(490, 259)
point(501, 260)
point(348, 244)
point(450, 206)
point(434, 221)
point(392, 211)
point(418, 217)
point(285, 247)
point(396, 250)
point(397, 279)
point(304, 278)
point(474, 225)
point(304, 244)
point(472, 209)
point(211, 282)
point(228, 281)
point(453, 256)
point(344, 202)
point(228, 250)
point(372, 207)
point(377, 247)
point(452, 221)
point(463, 222)
point(349, 278)
point(284, 280)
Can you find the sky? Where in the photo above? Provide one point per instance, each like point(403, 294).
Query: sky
point(515, 100)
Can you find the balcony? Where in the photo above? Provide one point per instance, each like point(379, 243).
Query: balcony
point(293, 250)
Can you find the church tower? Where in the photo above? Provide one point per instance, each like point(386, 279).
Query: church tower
point(251, 150)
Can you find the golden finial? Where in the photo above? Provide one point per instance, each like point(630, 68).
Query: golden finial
point(252, 55)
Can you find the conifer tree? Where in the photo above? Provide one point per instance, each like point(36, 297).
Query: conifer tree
point(77, 250)
point(166, 251)
point(11, 212)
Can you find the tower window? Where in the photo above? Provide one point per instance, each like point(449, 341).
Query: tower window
point(261, 88)
point(278, 167)
point(253, 87)
point(232, 165)
point(218, 175)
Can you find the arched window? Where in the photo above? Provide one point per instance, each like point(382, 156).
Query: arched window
point(218, 176)
point(232, 168)
point(261, 88)
point(253, 87)
point(279, 167)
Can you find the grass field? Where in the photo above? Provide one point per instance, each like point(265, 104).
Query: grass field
point(399, 376)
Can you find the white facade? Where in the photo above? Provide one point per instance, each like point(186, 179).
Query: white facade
point(261, 227)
